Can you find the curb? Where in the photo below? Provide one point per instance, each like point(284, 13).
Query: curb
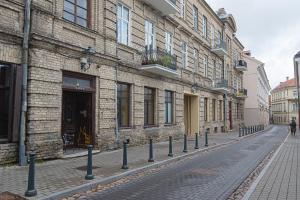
point(91, 185)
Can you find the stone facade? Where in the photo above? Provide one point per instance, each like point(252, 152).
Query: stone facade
point(57, 46)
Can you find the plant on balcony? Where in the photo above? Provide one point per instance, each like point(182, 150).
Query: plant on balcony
point(166, 61)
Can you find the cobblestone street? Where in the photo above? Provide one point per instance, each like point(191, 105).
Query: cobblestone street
point(212, 175)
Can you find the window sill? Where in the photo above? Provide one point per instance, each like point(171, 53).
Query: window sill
point(79, 26)
point(3, 141)
point(167, 125)
point(125, 128)
point(150, 126)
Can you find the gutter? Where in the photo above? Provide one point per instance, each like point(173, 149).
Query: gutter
point(25, 53)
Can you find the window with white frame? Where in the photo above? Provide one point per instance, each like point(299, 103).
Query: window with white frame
point(212, 35)
point(205, 65)
point(184, 52)
point(123, 24)
point(204, 26)
point(196, 59)
point(182, 8)
point(195, 16)
point(169, 42)
point(149, 36)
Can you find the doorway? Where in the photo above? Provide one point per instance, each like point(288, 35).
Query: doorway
point(230, 115)
point(191, 114)
point(77, 119)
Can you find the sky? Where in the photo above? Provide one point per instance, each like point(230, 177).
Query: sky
point(270, 29)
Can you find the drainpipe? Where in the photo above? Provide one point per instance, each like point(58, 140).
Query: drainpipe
point(25, 52)
point(117, 133)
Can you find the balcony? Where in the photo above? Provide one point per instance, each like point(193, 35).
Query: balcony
point(220, 48)
point(241, 65)
point(242, 93)
point(221, 86)
point(159, 62)
point(166, 7)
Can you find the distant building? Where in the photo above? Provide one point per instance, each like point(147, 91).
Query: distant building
point(284, 102)
point(258, 89)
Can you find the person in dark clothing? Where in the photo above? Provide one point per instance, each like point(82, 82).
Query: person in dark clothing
point(293, 126)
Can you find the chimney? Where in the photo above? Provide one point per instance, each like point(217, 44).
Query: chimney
point(287, 78)
point(248, 53)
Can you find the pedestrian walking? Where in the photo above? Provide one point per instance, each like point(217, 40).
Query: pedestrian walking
point(293, 126)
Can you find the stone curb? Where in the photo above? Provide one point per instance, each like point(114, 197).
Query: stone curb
point(93, 184)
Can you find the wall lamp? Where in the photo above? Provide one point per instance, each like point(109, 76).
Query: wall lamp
point(85, 62)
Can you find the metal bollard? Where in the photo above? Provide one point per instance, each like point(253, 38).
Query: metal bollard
point(196, 141)
point(89, 170)
point(248, 132)
point(206, 138)
point(150, 150)
point(244, 130)
point(125, 166)
point(240, 131)
point(31, 191)
point(185, 144)
point(170, 147)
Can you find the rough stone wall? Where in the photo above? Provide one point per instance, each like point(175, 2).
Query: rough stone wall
point(8, 153)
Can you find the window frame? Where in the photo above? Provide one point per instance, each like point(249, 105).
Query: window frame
point(205, 61)
point(182, 8)
point(169, 42)
point(213, 109)
point(204, 26)
point(119, 119)
point(184, 54)
point(149, 35)
point(205, 109)
point(168, 101)
point(195, 18)
point(88, 10)
point(196, 59)
point(147, 122)
point(128, 22)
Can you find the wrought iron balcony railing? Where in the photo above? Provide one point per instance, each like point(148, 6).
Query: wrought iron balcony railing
point(222, 83)
point(159, 57)
point(242, 93)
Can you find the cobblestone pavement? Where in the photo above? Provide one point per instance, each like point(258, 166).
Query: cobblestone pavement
point(59, 175)
point(207, 176)
point(281, 180)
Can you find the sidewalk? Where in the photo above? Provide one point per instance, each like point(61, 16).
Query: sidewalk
point(59, 175)
point(281, 179)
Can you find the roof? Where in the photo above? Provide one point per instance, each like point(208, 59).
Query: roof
point(288, 83)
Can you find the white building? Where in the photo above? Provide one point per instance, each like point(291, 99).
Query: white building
point(257, 84)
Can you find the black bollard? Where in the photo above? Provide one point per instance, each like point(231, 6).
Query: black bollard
point(150, 150)
point(170, 147)
point(89, 170)
point(244, 130)
point(125, 165)
point(240, 131)
point(196, 141)
point(206, 138)
point(31, 191)
point(185, 144)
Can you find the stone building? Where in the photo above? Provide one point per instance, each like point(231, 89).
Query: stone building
point(102, 71)
point(257, 107)
point(284, 99)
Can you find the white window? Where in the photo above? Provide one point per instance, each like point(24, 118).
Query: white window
point(212, 32)
point(195, 16)
point(196, 59)
point(295, 93)
point(205, 66)
point(149, 36)
point(204, 26)
point(169, 42)
point(184, 51)
point(182, 8)
point(123, 24)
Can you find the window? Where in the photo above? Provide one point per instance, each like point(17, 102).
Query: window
point(182, 8)
point(205, 109)
point(169, 42)
point(205, 66)
point(149, 106)
point(215, 70)
point(76, 11)
point(295, 93)
point(220, 110)
point(195, 16)
point(184, 51)
point(123, 24)
point(196, 59)
point(149, 36)
point(219, 37)
point(123, 104)
point(168, 107)
point(10, 102)
point(214, 110)
point(204, 26)
point(212, 32)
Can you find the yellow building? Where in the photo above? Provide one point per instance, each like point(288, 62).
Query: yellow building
point(284, 102)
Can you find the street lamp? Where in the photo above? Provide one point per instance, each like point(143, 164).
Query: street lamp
point(296, 70)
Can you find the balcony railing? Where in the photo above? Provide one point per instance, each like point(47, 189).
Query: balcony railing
point(159, 62)
point(221, 85)
point(220, 48)
point(242, 93)
point(241, 65)
point(166, 7)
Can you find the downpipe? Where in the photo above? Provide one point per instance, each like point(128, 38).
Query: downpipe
point(25, 54)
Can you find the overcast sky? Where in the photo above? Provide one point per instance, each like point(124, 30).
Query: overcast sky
point(270, 29)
